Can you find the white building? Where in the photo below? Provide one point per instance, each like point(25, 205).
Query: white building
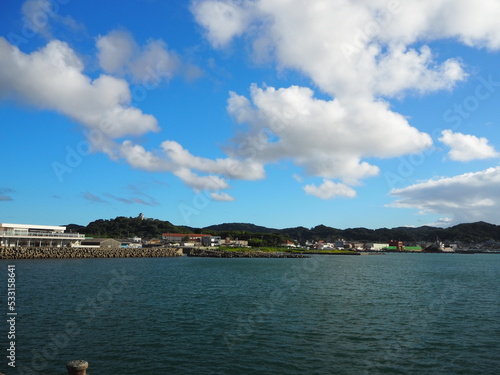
point(37, 235)
point(376, 246)
point(340, 244)
point(210, 241)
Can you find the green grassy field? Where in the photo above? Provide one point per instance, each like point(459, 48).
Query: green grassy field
point(282, 250)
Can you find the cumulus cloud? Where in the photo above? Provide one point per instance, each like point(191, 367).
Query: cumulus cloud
point(174, 158)
point(230, 167)
point(465, 198)
point(199, 183)
point(329, 189)
point(119, 53)
point(138, 157)
point(52, 78)
point(350, 48)
point(223, 20)
point(465, 147)
point(360, 53)
point(326, 137)
point(115, 50)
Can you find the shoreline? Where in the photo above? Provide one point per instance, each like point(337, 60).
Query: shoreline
point(86, 252)
point(201, 253)
point(22, 252)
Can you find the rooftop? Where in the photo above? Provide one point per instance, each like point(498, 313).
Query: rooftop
point(33, 226)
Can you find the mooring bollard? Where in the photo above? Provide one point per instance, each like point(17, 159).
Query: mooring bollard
point(77, 367)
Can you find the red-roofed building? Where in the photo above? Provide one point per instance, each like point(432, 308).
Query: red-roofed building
point(177, 237)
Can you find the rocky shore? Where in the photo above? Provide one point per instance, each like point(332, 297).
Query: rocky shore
point(85, 252)
point(233, 254)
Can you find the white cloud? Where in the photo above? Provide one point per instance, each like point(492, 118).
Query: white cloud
point(473, 23)
point(51, 78)
point(361, 53)
point(221, 197)
point(466, 147)
point(138, 157)
point(442, 222)
point(465, 198)
point(232, 168)
point(349, 48)
point(119, 53)
point(329, 189)
point(39, 14)
point(199, 183)
point(326, 137)
point(115, 50)
point(174, 158)
point(223, 20)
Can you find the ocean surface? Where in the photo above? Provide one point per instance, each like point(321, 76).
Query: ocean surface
point(384, 314)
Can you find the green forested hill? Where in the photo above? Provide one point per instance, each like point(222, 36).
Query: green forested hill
point(240, 227)
point(471, 232)
point(125, 227)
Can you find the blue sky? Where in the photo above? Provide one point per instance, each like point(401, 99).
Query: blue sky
point(280, 113)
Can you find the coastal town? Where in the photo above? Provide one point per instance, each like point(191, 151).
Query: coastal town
point(59, 237)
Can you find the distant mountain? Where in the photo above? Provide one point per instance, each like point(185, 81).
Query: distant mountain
point(472, 232)
point(240, 227)
point(475, 232)
point(124, 227)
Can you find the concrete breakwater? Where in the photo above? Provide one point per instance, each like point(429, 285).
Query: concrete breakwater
point(85, 252)
point(233, 254)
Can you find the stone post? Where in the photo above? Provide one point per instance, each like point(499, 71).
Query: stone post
point(77, 367)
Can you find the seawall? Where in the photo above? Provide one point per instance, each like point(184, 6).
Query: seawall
point(233, 254)
point(85, 252)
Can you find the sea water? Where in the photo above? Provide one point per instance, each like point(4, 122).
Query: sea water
point(386, 314)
